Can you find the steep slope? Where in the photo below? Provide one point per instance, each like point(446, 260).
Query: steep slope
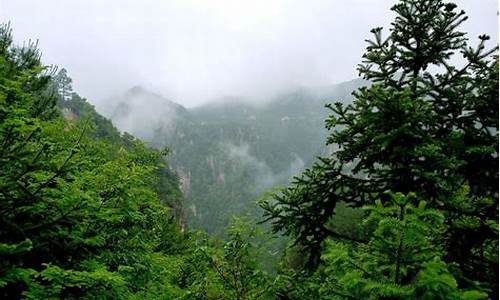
point(228, 151)
point(73, 107)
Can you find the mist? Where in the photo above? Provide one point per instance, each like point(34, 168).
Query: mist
point(191, 51)
point(129, 110)
point(265, 178)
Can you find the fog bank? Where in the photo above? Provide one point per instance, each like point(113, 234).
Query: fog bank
point(194, 50)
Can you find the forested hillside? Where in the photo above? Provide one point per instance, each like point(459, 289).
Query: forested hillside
point(74, 108)
point(228, 151)
point(83, 208)
point(396, 199)
point(89, 213)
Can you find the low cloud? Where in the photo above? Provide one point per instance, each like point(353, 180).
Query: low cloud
point(265, 177)
point(142, 113)
point(195, 50)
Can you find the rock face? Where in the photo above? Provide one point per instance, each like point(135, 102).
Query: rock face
point(68, 114)
point(184, 180)
point(227, 152)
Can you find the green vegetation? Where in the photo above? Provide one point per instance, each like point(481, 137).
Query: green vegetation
point(231, 152)
point(424, 147)
point(405, 205)
point(87, 213)
point(79, 214)
point(228, 152)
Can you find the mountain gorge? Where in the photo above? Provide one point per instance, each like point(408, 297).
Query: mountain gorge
point(381, 188)
point(228, 151)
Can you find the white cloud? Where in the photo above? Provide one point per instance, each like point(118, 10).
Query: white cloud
point(193, 50)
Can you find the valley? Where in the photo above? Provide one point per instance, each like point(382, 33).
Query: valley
point(229, 151)
point(215, 158)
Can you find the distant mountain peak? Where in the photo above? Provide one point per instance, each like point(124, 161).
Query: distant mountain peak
point(138, 92)
point(145, 113)
point(137, 89)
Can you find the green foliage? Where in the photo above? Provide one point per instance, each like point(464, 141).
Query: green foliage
point(74, 108)
point(57, 283)
point(80, 212)
point(231, 270)
point(87, 213)
point(304, 209)
point(403, 258)
point(424, 126)
point(406, 206)
point(228, 153)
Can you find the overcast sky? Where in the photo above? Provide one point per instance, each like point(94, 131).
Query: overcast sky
point(194, 50)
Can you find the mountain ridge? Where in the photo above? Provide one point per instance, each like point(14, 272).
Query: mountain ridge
point(228, 152)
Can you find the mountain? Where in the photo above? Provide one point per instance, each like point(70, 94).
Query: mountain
point(73, 108)
point(228, 151)
point(141, 113)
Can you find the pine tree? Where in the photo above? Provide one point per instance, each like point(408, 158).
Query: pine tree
point(402, 259)
point(63, 84)
point(423, 126)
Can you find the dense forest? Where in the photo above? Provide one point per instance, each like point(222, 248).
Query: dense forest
point(401, 202)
